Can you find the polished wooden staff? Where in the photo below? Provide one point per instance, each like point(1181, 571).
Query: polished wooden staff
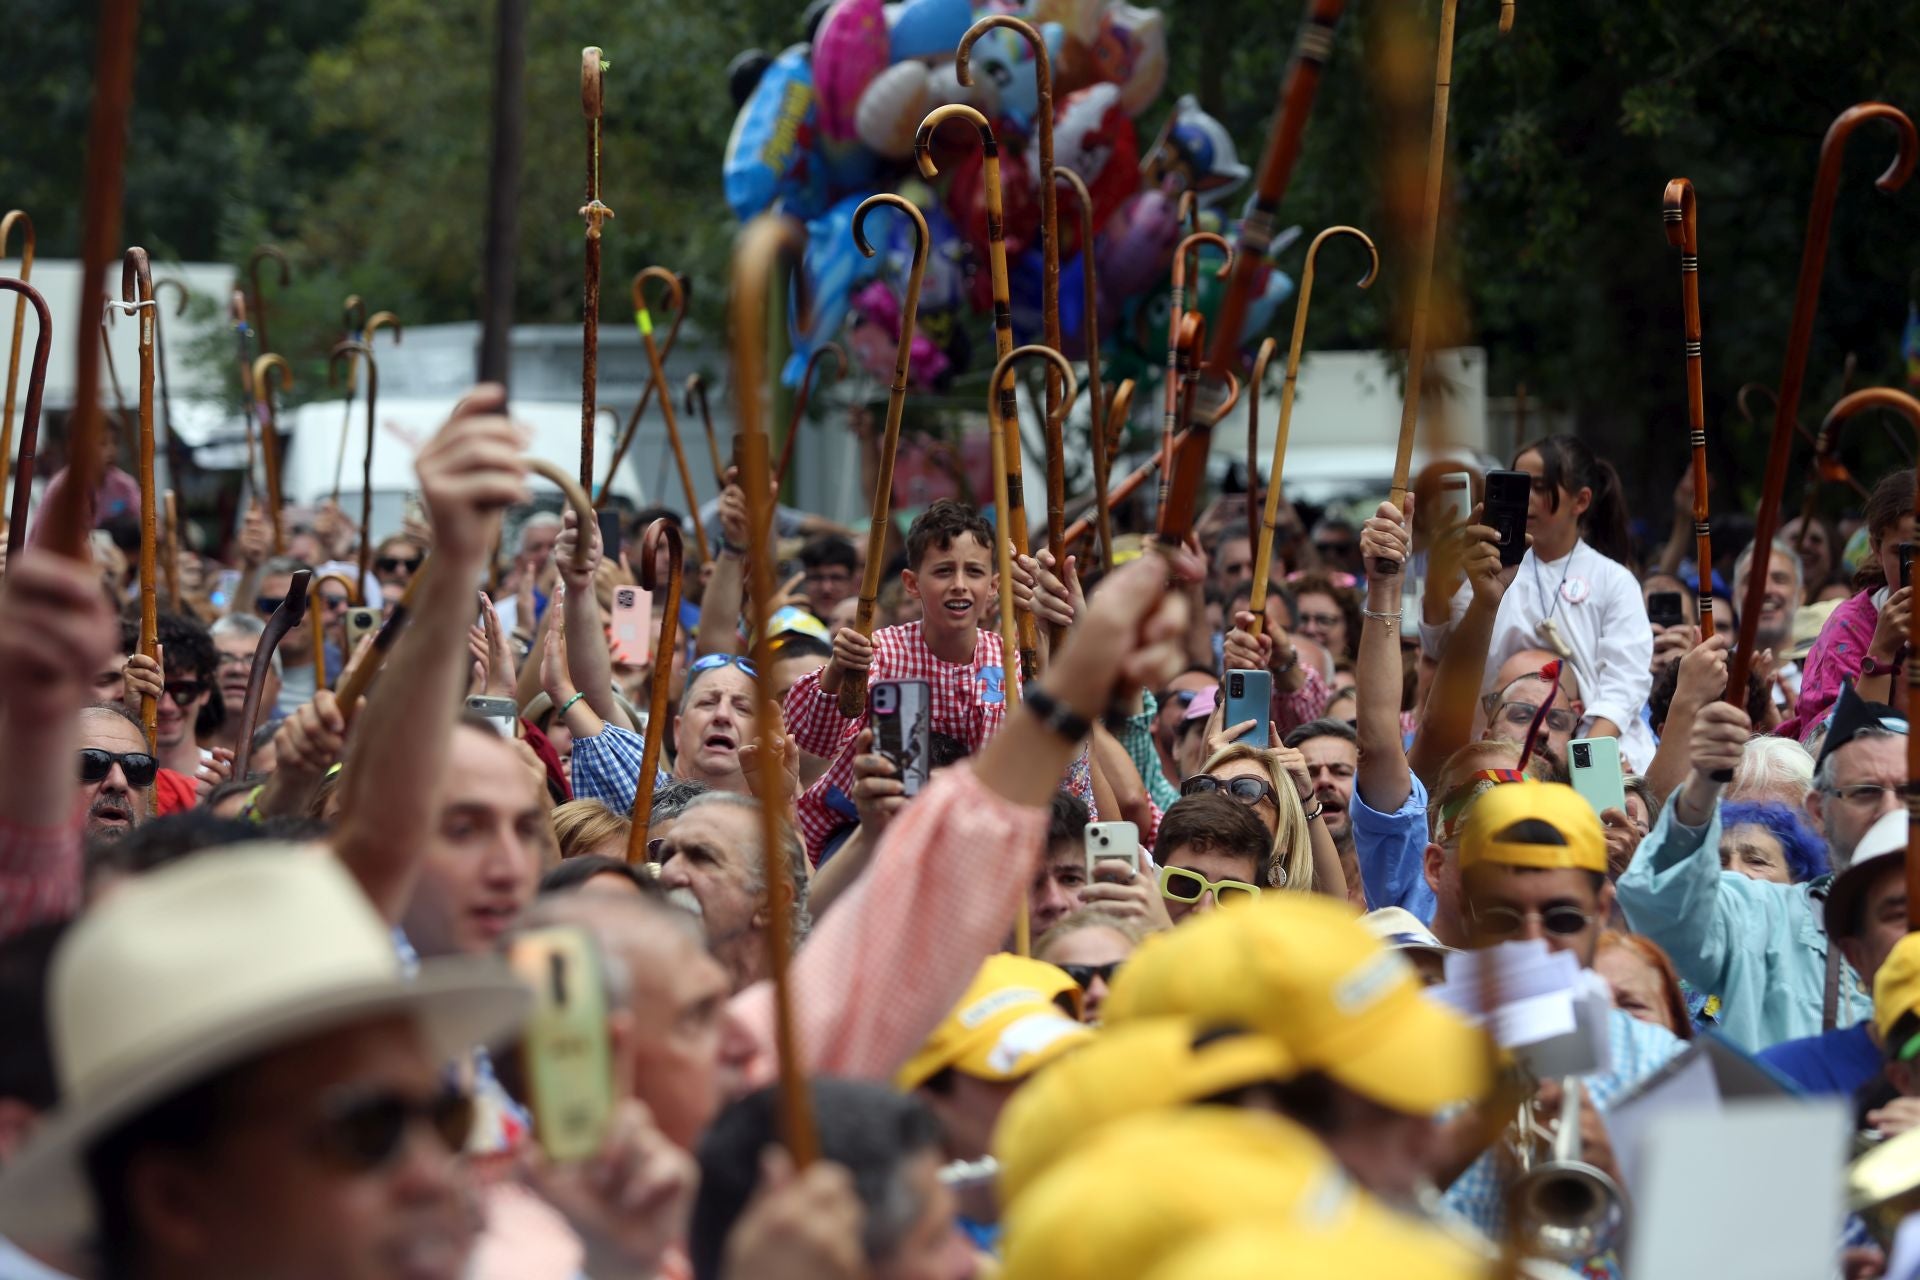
point(136, 297)
point(30, 420)
point(257, 298)
point(1096, 394)
point(1826, 189)
point(1184, 473)
point(353, 319)
point(1683, 233)
point(1907, 407)
point(13, 218)
point(171, 564)
point(68, 520)
point(1176, 316)
point(1002, 329)
point(694, 400)
point(592, 99)
point(263, 380)
point(1261, 359)
point(1270, 513)
point(632, 426)
point(243, 341)
point(344, 352)
point(1311, 50)
point(1425, 251)
point(644, 318)
point(769, 245)
point(285, 617)
point(663, 535)
point(853, 692)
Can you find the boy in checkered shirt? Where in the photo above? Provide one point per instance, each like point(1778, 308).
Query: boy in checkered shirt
point(950, 572)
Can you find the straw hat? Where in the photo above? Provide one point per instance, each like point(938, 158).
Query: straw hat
point(203, 965)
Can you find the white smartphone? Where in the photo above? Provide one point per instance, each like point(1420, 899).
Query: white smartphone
point(1594, 764)
point(632, 632)
point(1456, 501)
point(1112, 841)
point(503, 712)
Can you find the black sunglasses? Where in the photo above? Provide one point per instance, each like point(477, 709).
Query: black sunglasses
point(394, 564)
point(267, 604)
point(184, 691)
point(138, 766)
point(361, 1132)
point(1247, 790)
point(1084, 974)
point(1505, 922)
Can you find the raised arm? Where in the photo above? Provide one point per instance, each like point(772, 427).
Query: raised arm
point(589, 665)
point(1452, 698)
point(726, 591)
point(252, 545)
point(469, 473)
point(1383, 780)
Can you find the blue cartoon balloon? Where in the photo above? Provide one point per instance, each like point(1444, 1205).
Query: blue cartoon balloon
point(926, 28)
point(1005, 61)
point(834, 267)
point(1023, 278)
point(770, 155)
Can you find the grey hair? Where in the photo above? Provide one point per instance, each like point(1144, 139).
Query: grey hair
point(791, 845)
point(538, 520)
point(1769, 764)
point(1823, 775)
point(245, 624)
point(670, 799)
point(1744, 562)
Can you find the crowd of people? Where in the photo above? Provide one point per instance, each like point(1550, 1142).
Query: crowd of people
point(1093, 979)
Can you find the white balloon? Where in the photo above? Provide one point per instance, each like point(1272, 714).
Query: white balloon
point(890, 111)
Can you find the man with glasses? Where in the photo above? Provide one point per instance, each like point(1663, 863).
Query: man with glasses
point(189, 701)
point(236, 638)
point(296, 647)
point(115, 771)
point(1511, 708)
point(1212, 851)
point(395, 561)
point(1762, 946)
point(832, 567)
point(1338, 545)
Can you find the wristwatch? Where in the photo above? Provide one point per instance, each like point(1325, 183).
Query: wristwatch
point(1057, 716)
point(1872, 667)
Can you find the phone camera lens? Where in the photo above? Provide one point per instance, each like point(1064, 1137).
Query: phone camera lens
point(1583, 757)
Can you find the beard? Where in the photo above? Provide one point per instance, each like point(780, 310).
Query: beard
point(102, 812)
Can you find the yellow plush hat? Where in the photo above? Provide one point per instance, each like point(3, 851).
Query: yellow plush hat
point(1007, 1026)
point(1583, 841)
point(1303, 970)
point(1405, 1251)
point(1155, 1064)
point(1144, 1188)
point(1896, 992)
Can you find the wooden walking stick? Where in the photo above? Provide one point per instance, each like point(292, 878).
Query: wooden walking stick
point(1002, 329)
point(263, 380)
point(1184, 472)
point(1119, 414)
point(1151, 467)
point(1907, 407)
point(1096, 396)
point(646, 394)
point(30, 420)
point(259, 297)
point(1683, 233)
point(769, 244)
point(695, 401)
point(1176, 315)
point(592, 97)
point(1270, 514)
point(353, 319)
point(1826, 189)
point(344, 351)
point(662, 534)
point(316, 618)
point(1004, 437)
point(645, 320)
point(172, 564)
point(165, 435)
point(853, 693)
point(1262, 358)
point(106, 350)
point(1311, 50)
point(243, 336)
point(136, 293)
point(1425, 251)
point(14, 217)
point(801, 399)
point(285, 617)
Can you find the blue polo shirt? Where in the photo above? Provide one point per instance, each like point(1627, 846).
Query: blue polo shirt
point(1391, 849)
point(1836, 1063)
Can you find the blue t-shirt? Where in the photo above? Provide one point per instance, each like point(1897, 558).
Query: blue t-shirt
point(1391, 849)
point(1836, 1063)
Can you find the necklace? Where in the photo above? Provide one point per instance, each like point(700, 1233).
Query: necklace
point(1547, 629)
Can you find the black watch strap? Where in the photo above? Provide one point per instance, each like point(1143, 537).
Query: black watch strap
point(1056, 715)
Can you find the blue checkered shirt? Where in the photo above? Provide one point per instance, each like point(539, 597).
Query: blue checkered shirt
point(606, 767)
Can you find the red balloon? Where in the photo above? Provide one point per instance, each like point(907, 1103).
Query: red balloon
point(1094, 136)
point(967, 202)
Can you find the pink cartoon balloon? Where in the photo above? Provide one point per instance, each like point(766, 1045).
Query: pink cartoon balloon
point(849, 51)
point(1094, 136)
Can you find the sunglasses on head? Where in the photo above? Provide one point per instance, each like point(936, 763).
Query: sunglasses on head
point(1506, 922)
point(1084, 974)
point(395, 564)
point(138, 766)
point(362, 1132)
point(714, 661)
point(1177, 884)
point(1247, 790)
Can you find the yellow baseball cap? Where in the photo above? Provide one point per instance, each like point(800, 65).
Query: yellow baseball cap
point(1583, 841)
point(1144, 1188)
point(1405, 1251)
point(1008, 1025)
point(1896, 991)
point(1300, 968)
point(1155, 1064)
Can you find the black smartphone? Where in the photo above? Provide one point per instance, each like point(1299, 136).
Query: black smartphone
point(1508, 493)
point(903, 729)
point(610, 535)
point(1664, 609)
point(1906, 564)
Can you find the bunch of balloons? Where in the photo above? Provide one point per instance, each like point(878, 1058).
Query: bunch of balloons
point(828, 122)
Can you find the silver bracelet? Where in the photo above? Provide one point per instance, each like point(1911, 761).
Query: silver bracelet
point(1391, 619)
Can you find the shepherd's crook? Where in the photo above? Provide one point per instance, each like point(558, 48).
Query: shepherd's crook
point(1683, 233)
point(30, 421)
point(265, 252)
point(695, 401)
point(345, 351)
point(644, 318)
point(592, 67)
point(263, 370)
point(646, 394)
point(801, 399)
point(243, 335)
point(1270, 515)
point(767, 245)
point(136, 293)
point(1429, 243)
point(1170, 410)
point(286, 616)
point(1096, 396)
point(14, 216)
point(663, 533)
point(1826, 189)
point(1909, 408)
point(853, 692)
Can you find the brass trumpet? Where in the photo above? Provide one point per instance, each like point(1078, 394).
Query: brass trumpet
point(1883, 1185)
point(1562, 1207)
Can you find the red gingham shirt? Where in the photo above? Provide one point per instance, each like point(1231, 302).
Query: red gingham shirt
point(968, 703)
point(39, 874)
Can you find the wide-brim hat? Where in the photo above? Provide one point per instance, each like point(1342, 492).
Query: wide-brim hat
point(199, 967)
